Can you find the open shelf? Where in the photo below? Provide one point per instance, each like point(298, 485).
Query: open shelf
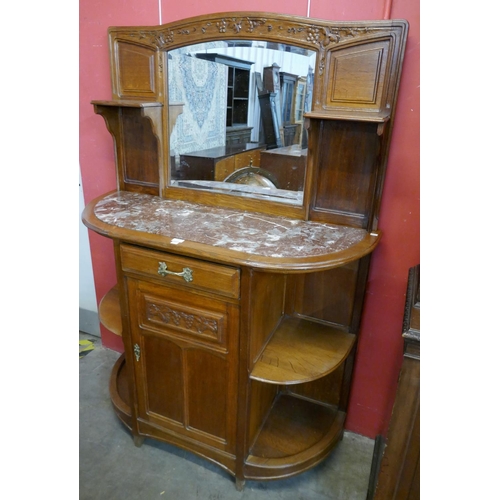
point(118, 389)
point(109, 311)
point(351, 115)
point(127, 103)
point(296, 435)
point(300, 351)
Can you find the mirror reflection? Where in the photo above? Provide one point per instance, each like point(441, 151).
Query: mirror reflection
point(236, 112)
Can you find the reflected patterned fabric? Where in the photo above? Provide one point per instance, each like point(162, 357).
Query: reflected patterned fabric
point(201, 86)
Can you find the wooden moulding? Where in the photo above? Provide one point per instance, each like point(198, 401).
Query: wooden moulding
point(118, 389)
point(300, 351)
point(109, 311)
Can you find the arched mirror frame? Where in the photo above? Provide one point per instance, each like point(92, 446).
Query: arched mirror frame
point(345, 51)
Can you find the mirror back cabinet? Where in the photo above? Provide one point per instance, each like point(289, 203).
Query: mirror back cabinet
point(239, 298)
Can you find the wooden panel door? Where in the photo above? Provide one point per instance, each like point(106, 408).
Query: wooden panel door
point(185, 362)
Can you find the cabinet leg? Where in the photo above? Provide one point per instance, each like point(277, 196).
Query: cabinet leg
point(240, 484)
point(138, 440)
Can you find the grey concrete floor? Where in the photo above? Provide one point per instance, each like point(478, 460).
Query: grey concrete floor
point(112, 468)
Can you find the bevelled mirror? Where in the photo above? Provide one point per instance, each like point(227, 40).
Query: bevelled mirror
point(237, 118)
point(257, 111)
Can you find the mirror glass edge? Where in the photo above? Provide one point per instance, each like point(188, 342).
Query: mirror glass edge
point(290, 36)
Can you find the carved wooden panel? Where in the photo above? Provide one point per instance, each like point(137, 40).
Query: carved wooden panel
point(135, 70)
point(357, 76)
point(183, 315)
point(179, 317)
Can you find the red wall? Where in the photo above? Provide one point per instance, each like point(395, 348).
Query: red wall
point(380, 344)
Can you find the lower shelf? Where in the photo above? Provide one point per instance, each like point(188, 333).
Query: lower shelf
point(296, 435)
point(118, 390)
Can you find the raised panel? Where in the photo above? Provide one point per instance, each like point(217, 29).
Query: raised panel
point(187, 321)
point(357, 76)
point(136, 70)
point(182, 315)
point(140, 156)
point(207, 393)
point(346, 173)
point(164, 379)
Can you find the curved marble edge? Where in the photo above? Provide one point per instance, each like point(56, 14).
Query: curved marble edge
point(226, 235)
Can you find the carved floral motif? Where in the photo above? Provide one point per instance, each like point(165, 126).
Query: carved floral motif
point(318, 35)
point(187, 321)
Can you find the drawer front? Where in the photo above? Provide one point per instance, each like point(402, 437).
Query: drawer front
point(171, 269)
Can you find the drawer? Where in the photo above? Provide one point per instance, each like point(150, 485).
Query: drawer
point(192, 273)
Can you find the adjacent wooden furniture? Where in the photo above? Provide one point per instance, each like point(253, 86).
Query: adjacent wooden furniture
point(399, 473)
point(239, 314)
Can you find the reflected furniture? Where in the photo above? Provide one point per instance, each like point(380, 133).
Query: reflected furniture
point(239, 312)
point(238, 85)
point(218, 163)
point(287, 164)
point(287, 91)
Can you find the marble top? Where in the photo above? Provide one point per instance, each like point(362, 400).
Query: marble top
point(237, 230)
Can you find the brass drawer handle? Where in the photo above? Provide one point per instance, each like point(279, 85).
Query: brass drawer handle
point(186, 273)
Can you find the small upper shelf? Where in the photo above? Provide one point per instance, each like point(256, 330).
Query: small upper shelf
point(351, 115)
point(301, 351)
point(125, 103)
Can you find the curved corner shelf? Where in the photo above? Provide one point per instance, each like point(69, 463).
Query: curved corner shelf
point(310, 433)
point(118, 390)
point(109, 311)
point(300, 351)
